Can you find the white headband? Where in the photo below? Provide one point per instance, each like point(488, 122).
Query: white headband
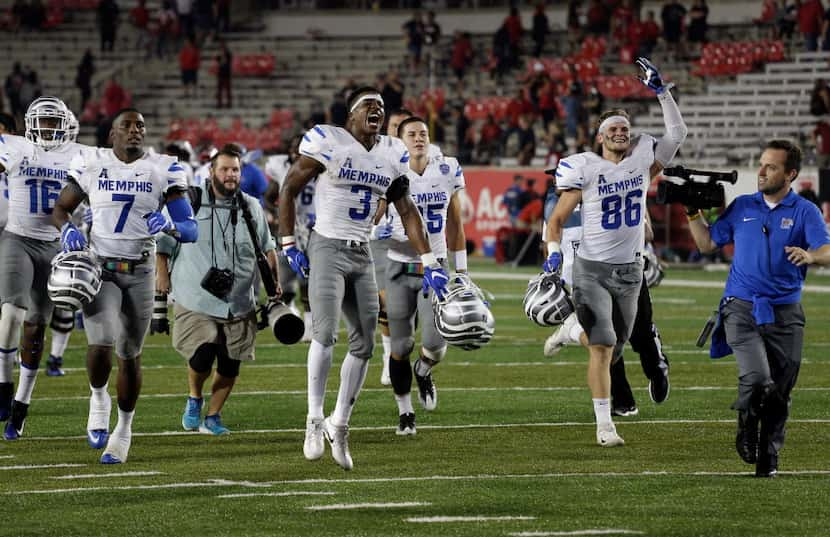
point(367, 97)
point(614, 119)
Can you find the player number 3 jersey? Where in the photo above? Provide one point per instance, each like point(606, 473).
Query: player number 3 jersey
point(347, 193)
point(121, 194)
point(613, 201)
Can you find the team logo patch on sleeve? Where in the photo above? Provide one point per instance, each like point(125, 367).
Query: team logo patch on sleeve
point(444, 168)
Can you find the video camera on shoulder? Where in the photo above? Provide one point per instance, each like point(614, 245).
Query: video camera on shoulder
point(692, 193)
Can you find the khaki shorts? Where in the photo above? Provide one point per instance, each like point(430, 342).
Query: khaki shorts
point(191, 330)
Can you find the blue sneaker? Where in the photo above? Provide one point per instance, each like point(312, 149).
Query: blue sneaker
point(213, 425)
point(192, 414)
point(14, 427)
point(97, 438)
point(53, 367)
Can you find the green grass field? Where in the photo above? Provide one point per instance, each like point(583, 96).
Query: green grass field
point(511, 446)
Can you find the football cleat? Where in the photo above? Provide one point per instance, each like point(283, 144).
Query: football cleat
point(746, 440)
point(97, 438)
point(314, 446)
point(406, 425)
point(53, 367)
point(213, 425)
point(767, 465)
point(117, 448)
point(659, 387)
point(97, 425)
point(17, 420)
point(427, 394)
point(338, 438)
point(6, 396)
point(625, 411)
point(192, 415)
point(608, 437)
point(561, 336)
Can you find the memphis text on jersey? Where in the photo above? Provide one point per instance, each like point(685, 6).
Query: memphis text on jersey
point(605, 188)
point(120, 185)
point(361, 176)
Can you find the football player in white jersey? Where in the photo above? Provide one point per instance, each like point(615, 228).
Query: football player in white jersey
point(126, 189)
point(355, 167)
point(7, 126)
point(434, 184)
point(37, 166)
point(608, 268)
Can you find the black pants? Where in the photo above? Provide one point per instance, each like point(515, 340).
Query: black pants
point(769, 359)
point(645, 340)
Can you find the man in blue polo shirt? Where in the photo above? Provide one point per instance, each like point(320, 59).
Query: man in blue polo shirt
point(776, 234)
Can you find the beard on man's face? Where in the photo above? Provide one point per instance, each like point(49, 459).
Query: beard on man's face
point(220, 187)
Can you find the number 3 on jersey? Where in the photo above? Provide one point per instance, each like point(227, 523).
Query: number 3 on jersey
point(365, 200)
point(613, 211)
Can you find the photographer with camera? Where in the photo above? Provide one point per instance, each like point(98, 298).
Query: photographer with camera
point(608, 268)
point(776, 234)
point(214, 284)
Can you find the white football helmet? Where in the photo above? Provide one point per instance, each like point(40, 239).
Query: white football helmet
point(74, 127)
point(47, 122)
point(75, 279)
point(463, 318)
point(654, 271)
point(547, 302)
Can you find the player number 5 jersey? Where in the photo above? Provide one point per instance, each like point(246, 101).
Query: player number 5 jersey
point(347, 192)
point(121, 194)
point(431, 193)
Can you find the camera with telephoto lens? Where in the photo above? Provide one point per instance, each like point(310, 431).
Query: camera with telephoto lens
point(695, 194)
point(218, 282)
point(287, 327)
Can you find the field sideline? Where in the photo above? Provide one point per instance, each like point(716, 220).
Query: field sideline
point(510, 450)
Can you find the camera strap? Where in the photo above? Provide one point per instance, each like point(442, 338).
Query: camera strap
point(261, 261)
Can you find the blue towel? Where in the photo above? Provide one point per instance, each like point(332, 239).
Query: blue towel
point(719, 347)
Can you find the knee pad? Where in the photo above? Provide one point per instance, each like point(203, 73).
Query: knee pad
point(11, 319)
point(383, 319)
point(227, 367)
point(400, 373)
point(202, 359)
point(402, 347)
point(434, 355)
point(63, 321)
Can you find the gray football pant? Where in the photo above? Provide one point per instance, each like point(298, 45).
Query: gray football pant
point(25, 265)
point(605, 296)
point(120, 313)
point(342, 278)
point(770, 353)
point(403, 299)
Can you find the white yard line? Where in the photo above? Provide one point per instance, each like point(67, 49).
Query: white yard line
point(115, 474)
point(605, 531)
point(40, 466)
point(346, 506)
point(443, 519)
point(7, 456)
point(278, 494)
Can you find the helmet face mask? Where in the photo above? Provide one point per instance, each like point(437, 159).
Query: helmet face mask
point(48, 122)
point(74, 128)
point(75, 279)
point(463, 317)
point(547, 302)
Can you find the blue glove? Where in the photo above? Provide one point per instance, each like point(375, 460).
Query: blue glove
point(297, 260)
point(87, 217)
point(435, 279)
point(311, 219)
point(553, 263)
point(382, 232)
point(71, 238)
point(157, 222)
point(651, 76)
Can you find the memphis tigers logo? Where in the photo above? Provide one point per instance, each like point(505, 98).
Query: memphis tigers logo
point(444, 168)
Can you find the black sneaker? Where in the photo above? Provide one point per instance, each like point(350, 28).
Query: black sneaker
point(406, 425)
point(426, 390)
point(767, 465)
point(659, 387)
point(625, 411)
point(14, 427)
point(6, 395)
point(746, 440)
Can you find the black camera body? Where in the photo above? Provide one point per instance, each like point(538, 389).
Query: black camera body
point(695, 194)
point(218, 282)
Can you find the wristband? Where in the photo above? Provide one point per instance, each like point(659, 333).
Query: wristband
point(287, 242)
point(553, 246)
point(429, 260)
point(692, 217)
point(460, 257)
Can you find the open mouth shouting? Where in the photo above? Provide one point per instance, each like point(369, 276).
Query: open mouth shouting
point(374, 119)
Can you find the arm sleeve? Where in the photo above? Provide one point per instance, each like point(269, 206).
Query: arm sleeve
point(569, 174)
point(722, 231)
point(182, 215)
point(316, 145)
point(676, 130)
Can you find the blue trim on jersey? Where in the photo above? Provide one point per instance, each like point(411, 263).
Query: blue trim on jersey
point(325, 156)
point(175, 167)
point(13, 349)
point(181, 213)
point(319, 131)
point(2, 140)
point(557, 174)
point(565, 164)
point(458, 172)
point(405, 157)
point(306, 138)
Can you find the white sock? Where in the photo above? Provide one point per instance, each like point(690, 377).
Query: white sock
point(386, 341)
point(6, 366)
point(28, 377)
point(125, 423)
point(602, 411)
point(576, 332)
point(100, 405)
point(404, 403)
point(319, 363)
point(59, 342)
point(352, 374)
